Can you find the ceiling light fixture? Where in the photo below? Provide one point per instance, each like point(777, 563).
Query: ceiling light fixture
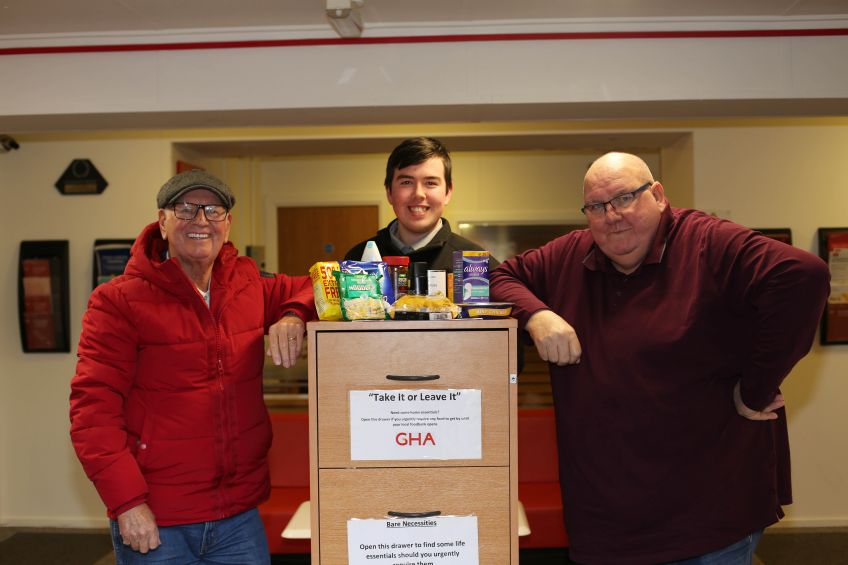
point(345, 17)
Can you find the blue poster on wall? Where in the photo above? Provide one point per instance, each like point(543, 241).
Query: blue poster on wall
point(110, 258)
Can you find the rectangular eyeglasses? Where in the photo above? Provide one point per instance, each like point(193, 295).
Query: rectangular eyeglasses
point(188, 211)
point(620, 202)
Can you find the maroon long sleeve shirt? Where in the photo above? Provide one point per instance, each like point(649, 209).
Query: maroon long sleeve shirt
point(655, 463)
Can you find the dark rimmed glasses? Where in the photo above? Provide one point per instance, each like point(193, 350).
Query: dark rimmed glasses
point(620, 202)
point(188, 211)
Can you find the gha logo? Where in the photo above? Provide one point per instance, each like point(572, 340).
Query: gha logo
point(410, 439)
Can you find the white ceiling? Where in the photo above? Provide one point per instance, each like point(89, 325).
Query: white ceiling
point(35, 22)
point(26, 17)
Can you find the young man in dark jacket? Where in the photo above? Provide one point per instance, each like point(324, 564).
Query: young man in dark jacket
point(418, 186)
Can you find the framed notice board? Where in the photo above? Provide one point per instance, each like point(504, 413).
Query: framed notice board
point(833, 249)
point(110, 259)
point(43, 296)
point(780, 234)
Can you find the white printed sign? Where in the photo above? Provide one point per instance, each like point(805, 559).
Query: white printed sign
point(415, 424)
point(450, 540)
point(838, 262)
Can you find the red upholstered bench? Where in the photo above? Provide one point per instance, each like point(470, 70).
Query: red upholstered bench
point(289, 463)
point(538, 479)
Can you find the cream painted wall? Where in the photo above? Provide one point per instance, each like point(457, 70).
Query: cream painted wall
point(791, 176)
point(781, 174)
point(41, 481)
point(677, 172)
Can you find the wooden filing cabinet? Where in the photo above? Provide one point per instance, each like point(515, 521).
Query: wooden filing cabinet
point(358, 356)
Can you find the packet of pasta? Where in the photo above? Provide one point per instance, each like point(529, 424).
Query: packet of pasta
point(360, 296)
point(431, 307)
point(325, 288)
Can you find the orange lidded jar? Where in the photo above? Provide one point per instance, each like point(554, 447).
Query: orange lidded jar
point(399, 273)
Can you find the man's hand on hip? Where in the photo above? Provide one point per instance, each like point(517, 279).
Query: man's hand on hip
point(767, 413)
point(555, 339)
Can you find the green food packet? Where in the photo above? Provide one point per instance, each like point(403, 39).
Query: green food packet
point(360, 296)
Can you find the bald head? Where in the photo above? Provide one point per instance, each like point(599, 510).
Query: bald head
point(615, 167)
point(631, 203)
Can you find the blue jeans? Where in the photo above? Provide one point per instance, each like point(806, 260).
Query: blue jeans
point(739, 553)
point(237, 540)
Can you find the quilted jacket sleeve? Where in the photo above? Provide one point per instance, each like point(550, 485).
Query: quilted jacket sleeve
point(284, 294)
point(104, 376)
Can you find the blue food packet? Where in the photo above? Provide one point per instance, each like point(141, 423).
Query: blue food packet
point(378, 268)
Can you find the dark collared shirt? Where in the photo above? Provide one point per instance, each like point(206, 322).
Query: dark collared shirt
point(438, 253)
point(655, 463)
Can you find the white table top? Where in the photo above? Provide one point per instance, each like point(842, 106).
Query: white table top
point(300, 525)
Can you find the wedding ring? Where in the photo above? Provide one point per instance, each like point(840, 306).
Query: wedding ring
point(292, 339)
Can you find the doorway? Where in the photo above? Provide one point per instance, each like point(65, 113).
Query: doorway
point(309, 234)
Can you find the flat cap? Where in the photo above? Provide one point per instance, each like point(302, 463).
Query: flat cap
point(181, 183)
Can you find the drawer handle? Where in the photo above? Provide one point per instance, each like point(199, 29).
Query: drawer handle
point(413, 377)
point(414, 514)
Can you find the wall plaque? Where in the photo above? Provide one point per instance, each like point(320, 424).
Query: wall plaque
point(81, 177)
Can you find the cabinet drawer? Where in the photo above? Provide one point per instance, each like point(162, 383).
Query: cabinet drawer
point(361, 360)
point(372, 493)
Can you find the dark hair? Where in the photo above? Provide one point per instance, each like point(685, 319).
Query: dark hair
point(415, 151)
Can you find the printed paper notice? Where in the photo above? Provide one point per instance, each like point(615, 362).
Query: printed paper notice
point(415, 424)
point(838, 263)
point(449, 540)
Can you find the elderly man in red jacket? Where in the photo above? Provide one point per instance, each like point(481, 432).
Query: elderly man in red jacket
point(167, 414)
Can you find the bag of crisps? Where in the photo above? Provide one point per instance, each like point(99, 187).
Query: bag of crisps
point(325, 288)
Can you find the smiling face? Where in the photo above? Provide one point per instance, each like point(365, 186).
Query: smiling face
point(194, 243)
point(625, 235)
point(418, 194)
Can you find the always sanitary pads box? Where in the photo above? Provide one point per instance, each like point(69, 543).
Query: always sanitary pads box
point(470, 276)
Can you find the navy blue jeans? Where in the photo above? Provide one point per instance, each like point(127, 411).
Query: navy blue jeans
point(237, 540)
point(739, 553)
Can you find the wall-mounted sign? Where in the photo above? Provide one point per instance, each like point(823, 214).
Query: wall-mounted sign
point(391, 541)
point(43, 291)
point(110, 259)
point(415, 424)
point(833, 248)
point(81, 177)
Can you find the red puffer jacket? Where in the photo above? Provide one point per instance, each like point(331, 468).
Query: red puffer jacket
point(166, 403)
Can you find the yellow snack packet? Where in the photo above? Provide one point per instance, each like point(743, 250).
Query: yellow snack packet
point(325, 288)
point(431, 307)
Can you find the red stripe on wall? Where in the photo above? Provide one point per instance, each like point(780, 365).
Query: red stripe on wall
point(718, 34)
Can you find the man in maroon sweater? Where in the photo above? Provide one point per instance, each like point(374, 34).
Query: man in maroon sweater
point(668, 332)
